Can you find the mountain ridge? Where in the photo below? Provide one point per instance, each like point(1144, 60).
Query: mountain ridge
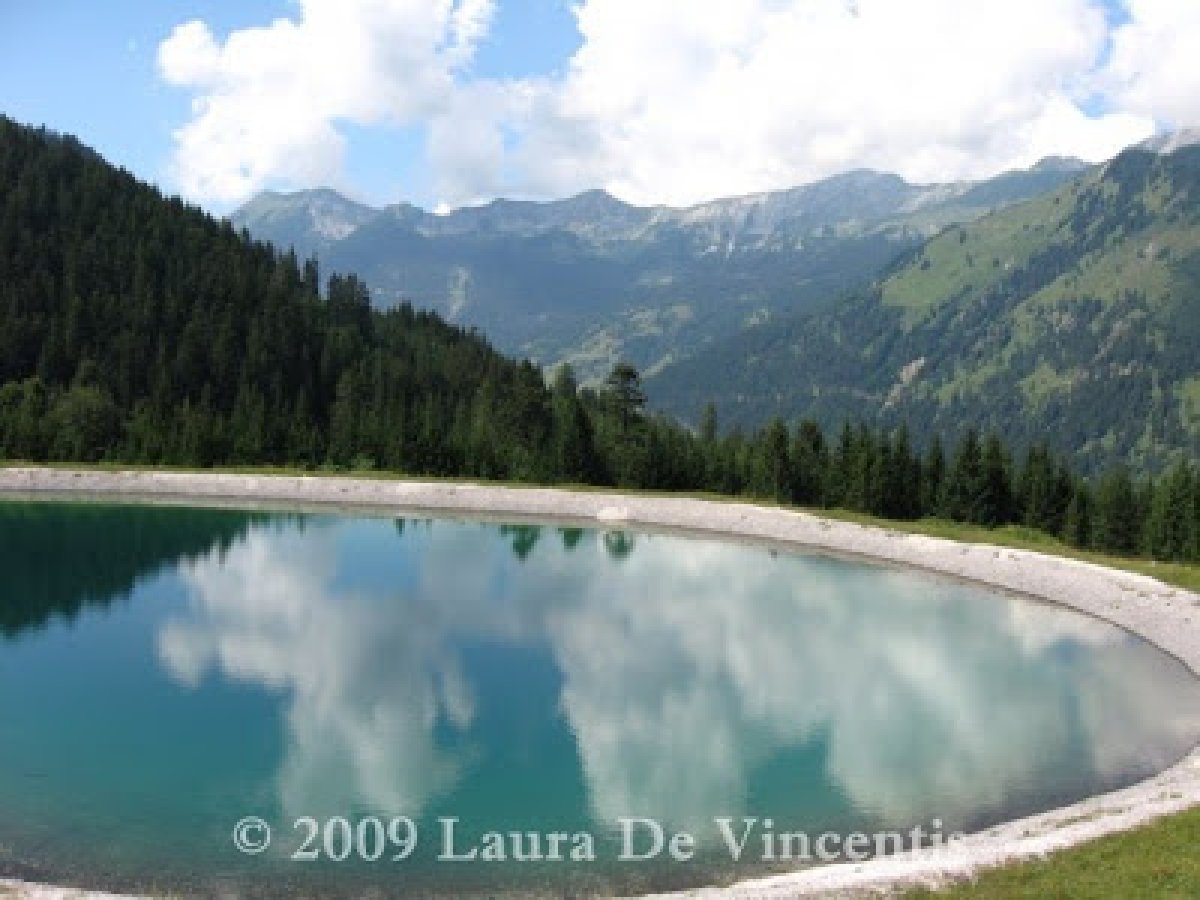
point(267, 202)
point(589, 279)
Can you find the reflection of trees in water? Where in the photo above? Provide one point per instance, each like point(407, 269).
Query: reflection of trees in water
point(571, 537)
point(619, 544)
point(58, 557)
point(523, 538)
point(411, 525)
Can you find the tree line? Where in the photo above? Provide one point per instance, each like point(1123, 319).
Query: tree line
point(979, 480)
point(135, 328)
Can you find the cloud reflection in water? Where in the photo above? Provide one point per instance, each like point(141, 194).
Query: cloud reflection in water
point(686, 666)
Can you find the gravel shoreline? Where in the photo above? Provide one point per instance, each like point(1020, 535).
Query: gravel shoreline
point(1166, 616)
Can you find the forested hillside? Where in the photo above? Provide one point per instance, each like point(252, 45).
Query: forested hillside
point(1074, 317)
point(136, 329)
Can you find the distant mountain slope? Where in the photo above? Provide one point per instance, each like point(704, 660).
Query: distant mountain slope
point(590, 279)
point(310, 222)
point(1074, 317)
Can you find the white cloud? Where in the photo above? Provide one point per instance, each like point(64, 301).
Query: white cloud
point(676, 101)
point(1153, 68)
point(366, 683)
point(268, 100)
point(692, 100)
point(676, 695)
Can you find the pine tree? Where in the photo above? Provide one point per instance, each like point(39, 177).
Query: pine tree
point(864, 491)
point(624, 393)
point(994, 501)
point(343, 422)
point(776, 463)
point(964, 483)
point(933, 479)
point(810, 464)
point(574, 441)
point(1117, 526)
point(838, 487)
point(901, 488)
point(1035, 489)
point(1169, 530)
point(1077, 525)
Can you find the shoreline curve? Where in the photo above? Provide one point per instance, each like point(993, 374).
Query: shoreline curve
point(1166, 616)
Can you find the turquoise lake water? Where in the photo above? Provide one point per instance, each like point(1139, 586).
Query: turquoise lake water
point(167, 672)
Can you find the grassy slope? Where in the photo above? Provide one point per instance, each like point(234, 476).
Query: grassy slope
point(960, 262)
point(965, 262)
point(1179, 574)
point(1158, 861)
point(1079, 329)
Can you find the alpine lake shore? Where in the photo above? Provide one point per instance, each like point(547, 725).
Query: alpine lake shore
point(1138, 841)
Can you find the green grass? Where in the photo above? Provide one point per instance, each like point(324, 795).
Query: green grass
point(1158, 861)
point(1107, 274)
point(1043, 383)
point(1182, 575)
point(1010, 236)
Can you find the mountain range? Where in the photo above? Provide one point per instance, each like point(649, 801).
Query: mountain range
point(590, 279)
point(1072, 318)
point(1060, 303)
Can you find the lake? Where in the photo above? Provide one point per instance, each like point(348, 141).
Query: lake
point(391, 691)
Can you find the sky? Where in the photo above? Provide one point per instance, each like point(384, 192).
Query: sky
point(453, 102)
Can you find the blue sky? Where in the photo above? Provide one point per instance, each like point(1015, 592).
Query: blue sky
point(458, 101)
point(90, 69)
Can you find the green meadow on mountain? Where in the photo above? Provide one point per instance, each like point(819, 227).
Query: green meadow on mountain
point(1072, 318)
point(591, 280)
